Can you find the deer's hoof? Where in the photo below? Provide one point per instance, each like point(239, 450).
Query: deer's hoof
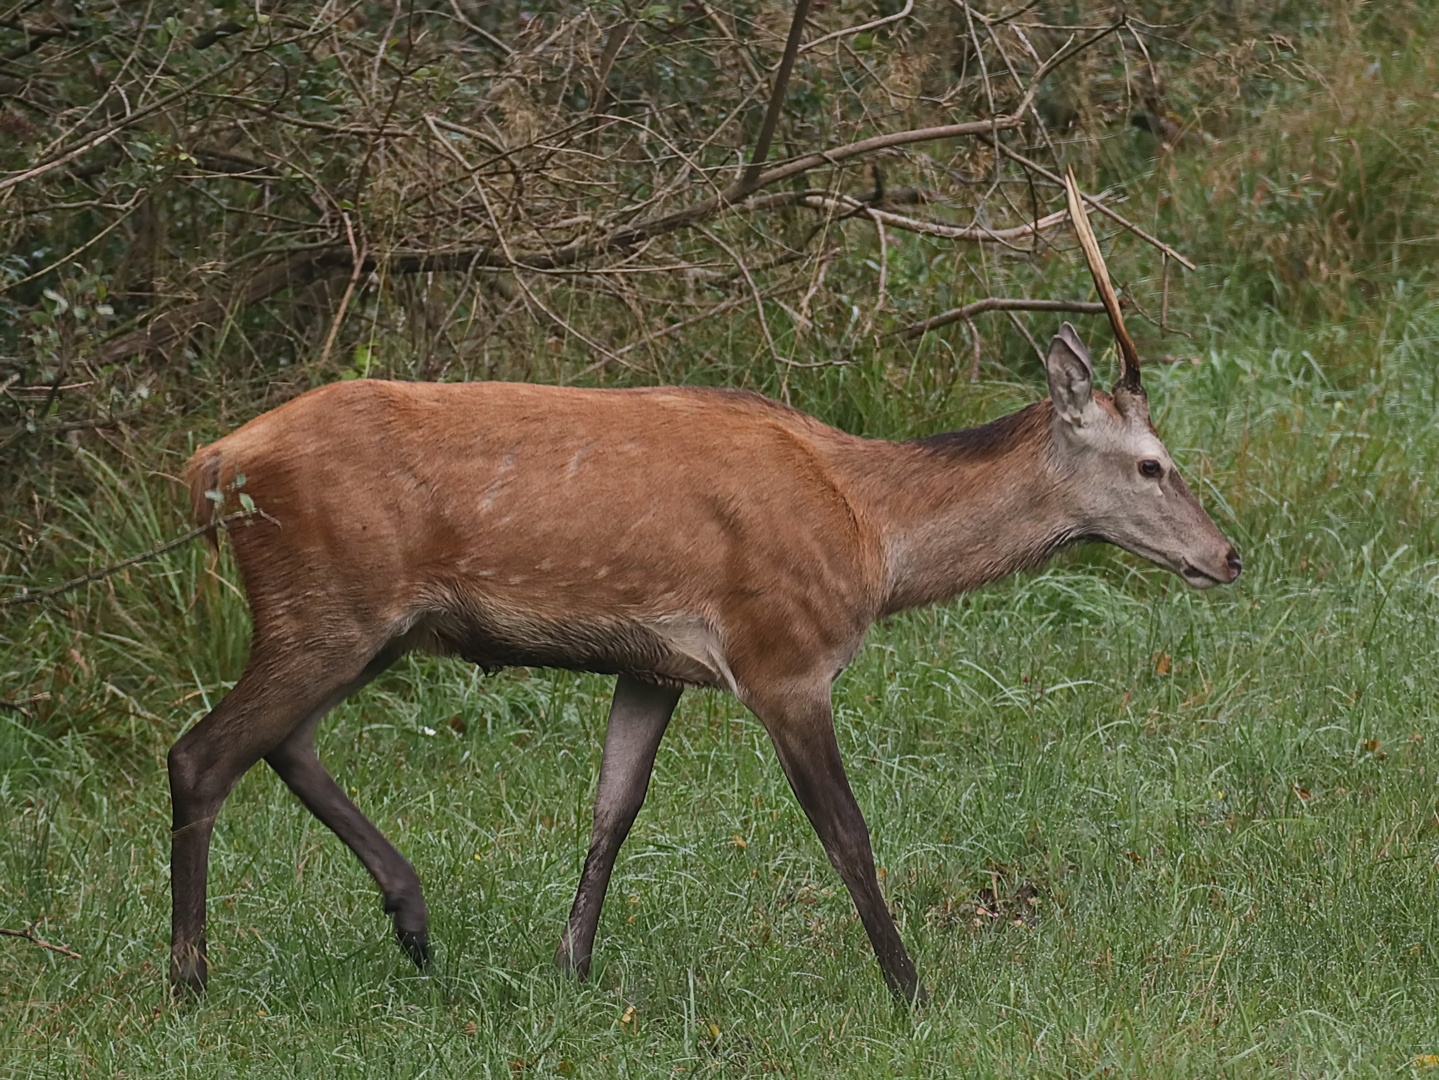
point(577, 968)
point(416, 944)
point(188, 975)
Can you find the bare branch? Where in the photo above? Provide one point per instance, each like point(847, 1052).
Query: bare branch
point(1101, 207)
point(42, 595)
point(359, 256)
point(862, 28)
point(89, 142)
point(694, 320)
point(997, 303)
point(977, 234)
point(750, 180)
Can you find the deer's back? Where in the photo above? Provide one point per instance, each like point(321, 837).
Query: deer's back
point(511, 523)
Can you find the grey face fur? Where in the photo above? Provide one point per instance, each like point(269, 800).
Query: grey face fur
point(1123, 483)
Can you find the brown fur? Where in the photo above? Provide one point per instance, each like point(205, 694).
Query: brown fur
point(674, 537)
point(527, 514)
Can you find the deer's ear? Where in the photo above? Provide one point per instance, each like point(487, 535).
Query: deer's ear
point(1071, 375)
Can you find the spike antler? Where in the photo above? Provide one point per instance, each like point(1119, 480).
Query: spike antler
point(1128, 355)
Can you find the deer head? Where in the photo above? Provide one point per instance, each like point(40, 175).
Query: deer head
point(1122, 479)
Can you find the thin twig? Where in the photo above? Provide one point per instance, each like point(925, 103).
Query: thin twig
point(1164, 299)
point(973, 233)
point(754, 292)
point(873, 25)
point(674, 328)
point(19, 706)
point(165, 328)
point(1024, 330)
point(89, 142)
point(28, 934)
point(27, 597)
point(1101, 207)
point(978, 348)
point(359, 254)
point(998, 303)
point(883, 297)
point(127, 209)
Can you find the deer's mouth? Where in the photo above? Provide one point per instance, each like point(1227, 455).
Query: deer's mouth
point(1198, 578)
point(1203, 579)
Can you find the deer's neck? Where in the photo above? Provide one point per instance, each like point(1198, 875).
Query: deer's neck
point(957, 511)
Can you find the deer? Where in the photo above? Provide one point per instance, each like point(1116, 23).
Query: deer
point(673, 537)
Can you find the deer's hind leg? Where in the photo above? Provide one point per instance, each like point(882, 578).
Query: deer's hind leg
point(277, 693)
point(299, 766)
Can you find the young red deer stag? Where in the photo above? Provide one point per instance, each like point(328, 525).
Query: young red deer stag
point(673, 537)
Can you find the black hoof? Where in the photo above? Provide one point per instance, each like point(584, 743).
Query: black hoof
point(186, 987)
point(188, 974)
point(568, 966)
point(416, 945)
point(914, 996)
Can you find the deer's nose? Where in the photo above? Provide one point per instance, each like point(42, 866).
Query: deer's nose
point(1235, 565)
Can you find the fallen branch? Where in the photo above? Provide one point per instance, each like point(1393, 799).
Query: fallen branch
point(28, 934)
point(997, 303)
point(19, 706)
point(27, 597)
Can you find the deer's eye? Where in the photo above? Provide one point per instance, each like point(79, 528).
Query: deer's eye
point(1151, 468)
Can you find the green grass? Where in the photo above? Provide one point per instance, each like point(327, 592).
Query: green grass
point(1223, 806)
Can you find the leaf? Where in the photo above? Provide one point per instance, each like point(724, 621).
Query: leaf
point(630, 1020)
point(247, 503)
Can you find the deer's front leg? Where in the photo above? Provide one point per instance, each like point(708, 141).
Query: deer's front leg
point(639, 715)
point(801, 725)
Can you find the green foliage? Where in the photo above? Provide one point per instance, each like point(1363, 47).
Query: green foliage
point(1325, 204)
